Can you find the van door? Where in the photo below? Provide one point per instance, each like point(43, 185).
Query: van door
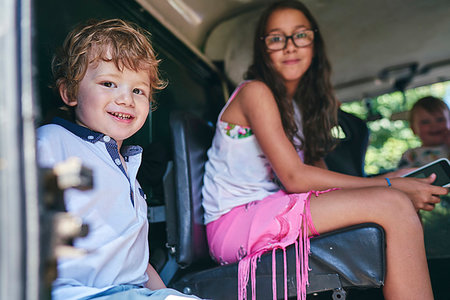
point(19, 228)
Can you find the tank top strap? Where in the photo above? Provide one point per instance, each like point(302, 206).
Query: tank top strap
point(233, 95)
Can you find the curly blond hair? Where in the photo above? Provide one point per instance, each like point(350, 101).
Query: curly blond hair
point(124, 43)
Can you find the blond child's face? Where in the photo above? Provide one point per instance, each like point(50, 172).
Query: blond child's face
point(431, 128)
point(110, 101)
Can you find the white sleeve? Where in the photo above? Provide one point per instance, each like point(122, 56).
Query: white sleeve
point(45, 155)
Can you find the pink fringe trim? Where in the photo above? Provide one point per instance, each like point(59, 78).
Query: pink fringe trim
point(302, 248)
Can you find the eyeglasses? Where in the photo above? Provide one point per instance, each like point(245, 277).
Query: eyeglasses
point(278, 41)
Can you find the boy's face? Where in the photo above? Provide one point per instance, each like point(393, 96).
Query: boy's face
point(431, 128)
point(110, 101)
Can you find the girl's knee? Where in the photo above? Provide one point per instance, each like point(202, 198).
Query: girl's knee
point(396, 200)
point(399, 209)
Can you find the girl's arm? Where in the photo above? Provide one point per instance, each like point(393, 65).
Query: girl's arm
point(321, 164)
point(154, 281)
point(256, 104)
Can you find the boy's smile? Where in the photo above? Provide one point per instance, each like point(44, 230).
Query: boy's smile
point(113, 102)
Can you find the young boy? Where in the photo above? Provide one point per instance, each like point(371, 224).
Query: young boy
point(430, 121)
point(105, 74)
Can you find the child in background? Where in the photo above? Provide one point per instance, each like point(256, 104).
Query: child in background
point(430, 121)
point(105, 74)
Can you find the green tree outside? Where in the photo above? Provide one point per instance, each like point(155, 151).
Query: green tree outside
point(390, 138)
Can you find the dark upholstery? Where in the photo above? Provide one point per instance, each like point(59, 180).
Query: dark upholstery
point(350, 257)
point(191, 138)
point(349, 155)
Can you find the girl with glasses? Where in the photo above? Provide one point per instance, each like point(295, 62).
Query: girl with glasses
point(263, 185)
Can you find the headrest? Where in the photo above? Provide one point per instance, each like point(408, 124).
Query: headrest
point(237, 52)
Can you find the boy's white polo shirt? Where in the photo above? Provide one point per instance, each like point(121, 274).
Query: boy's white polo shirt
point(115, 210)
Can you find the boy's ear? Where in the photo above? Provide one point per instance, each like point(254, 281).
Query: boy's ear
point(65, 97)
point(413, 128)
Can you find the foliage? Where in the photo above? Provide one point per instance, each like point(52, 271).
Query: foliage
point(390, 138)
point(390, 134)
point(436, 225)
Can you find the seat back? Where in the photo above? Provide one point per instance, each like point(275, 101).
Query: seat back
point(191, 137)
point(350, 153)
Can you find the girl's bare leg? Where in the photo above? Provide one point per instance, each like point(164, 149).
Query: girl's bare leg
point(407, 274)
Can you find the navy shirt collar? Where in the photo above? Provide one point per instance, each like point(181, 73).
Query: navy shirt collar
point(80, 131)
point(94, 136)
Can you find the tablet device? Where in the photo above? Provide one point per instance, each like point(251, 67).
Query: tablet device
point(441, 167)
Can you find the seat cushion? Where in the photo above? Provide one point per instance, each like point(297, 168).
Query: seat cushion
point(353, 257)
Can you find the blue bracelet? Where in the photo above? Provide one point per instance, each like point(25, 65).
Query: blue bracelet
point(388, 181)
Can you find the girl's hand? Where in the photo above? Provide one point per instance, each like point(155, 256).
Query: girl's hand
point(422, 194)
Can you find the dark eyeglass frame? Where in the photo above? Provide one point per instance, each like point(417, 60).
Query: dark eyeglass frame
point(291, 37)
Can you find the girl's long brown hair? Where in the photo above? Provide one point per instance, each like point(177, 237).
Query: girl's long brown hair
point(314, 95)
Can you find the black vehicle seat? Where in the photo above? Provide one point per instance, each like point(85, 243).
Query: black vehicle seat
point(352, 257)
point(349, 155)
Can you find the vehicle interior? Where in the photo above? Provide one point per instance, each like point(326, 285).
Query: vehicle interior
point(375, 47)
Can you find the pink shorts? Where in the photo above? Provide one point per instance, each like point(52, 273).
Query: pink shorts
point(248, 231)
